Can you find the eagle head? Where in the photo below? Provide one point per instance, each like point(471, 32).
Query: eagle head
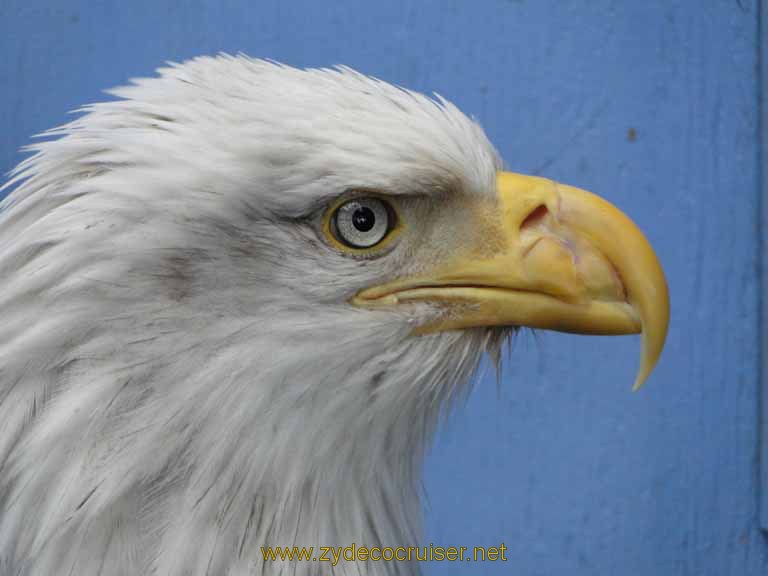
point(237, 299)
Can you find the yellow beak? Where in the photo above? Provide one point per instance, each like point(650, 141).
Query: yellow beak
point(561, 259)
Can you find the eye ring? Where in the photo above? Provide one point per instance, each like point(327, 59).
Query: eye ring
point(361, 224)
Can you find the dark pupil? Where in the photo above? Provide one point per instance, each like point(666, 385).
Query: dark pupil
point(363, 219)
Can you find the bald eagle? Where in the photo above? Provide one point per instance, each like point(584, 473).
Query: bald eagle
point(236, 300)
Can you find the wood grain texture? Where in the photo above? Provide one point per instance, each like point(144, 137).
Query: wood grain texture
point(651, 104)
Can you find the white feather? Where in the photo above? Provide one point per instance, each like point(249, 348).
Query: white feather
point(182, 380)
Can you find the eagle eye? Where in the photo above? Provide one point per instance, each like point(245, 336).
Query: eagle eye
point(361, 223)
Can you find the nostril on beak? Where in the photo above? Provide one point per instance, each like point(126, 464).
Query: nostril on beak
point(535, 218)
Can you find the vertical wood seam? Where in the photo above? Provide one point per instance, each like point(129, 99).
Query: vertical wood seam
point(762, 260)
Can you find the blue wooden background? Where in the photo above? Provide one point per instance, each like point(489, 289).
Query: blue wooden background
point(653, 104)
